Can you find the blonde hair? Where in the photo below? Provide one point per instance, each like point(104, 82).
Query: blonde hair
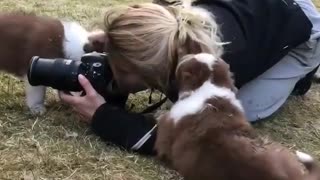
point(150, 39)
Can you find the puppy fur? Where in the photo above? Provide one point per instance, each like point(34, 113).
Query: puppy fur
point(24, 35)
point(205, 135)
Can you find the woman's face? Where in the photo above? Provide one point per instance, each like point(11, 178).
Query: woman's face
point(127, 81)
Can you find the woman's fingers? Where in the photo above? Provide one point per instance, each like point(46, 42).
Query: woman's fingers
point(84, 105)
point(86, 85)
point(73, 100)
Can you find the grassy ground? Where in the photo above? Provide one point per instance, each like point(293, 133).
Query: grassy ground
point(56, 146)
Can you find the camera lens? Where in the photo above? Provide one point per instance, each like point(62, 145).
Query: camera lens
point(61, 74)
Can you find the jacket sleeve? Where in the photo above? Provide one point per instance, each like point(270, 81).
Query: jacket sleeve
point(125, 129)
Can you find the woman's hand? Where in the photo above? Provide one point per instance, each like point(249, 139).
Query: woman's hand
point(85, 105)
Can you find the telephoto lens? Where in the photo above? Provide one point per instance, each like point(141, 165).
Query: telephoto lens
point(60, 74)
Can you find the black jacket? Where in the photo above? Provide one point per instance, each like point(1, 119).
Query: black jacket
point(261, 32)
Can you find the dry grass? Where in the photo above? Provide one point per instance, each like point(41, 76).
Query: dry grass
point(56, 146)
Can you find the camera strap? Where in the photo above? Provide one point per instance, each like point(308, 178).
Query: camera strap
point(149, 109)
point(154, 106)
point(171, 93)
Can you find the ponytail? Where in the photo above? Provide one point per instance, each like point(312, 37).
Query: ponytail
point(197, 26)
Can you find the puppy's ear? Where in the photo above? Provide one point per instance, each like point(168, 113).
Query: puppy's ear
point(97, 41)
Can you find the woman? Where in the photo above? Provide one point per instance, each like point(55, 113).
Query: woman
point(269, 44)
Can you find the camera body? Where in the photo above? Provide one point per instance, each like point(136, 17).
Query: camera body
point(62, 74)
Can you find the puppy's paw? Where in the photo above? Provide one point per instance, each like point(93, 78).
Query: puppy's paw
point(38, 109)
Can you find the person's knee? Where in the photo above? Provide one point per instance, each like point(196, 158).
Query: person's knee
point(253, 116)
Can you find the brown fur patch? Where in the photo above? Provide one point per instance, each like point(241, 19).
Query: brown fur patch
point(25, 35)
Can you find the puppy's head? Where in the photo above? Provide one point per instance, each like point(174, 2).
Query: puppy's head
point(194, 69)
point(97, 41)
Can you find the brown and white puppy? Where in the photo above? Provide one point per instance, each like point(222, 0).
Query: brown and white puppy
point(24, 35)
point(205, 135)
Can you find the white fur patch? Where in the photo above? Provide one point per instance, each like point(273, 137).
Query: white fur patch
point(205, 58)
point(35, 96)
point(303, 157)
point(196, 101)
point(75, 39)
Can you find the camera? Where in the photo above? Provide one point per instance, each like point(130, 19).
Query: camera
point(62, 74)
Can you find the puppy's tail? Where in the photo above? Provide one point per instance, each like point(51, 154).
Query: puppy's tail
point(310, 164)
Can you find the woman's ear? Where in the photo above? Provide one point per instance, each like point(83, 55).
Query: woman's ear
point(97, 41)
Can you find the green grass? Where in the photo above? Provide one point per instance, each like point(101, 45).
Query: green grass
point(57, 146)
point(317, 2)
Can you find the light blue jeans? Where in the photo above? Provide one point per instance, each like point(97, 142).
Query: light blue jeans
point(264, 95)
